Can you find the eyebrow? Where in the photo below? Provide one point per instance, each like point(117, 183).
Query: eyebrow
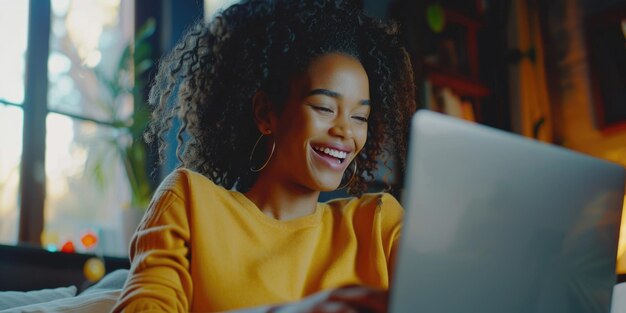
point(332, 94)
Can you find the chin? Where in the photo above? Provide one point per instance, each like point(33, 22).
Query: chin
point(328, 189)
point(326, 186)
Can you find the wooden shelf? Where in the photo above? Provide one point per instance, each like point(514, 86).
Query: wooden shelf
point(459, 18)
point(460, 84)
point(459, 63)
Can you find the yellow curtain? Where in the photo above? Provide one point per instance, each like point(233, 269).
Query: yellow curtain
point(529, 91)
point(529, 94)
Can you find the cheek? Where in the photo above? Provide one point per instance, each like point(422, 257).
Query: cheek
point(310, 126)
point(296, 130)
point(361, 137)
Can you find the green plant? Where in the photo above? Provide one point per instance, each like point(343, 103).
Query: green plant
point(128, 79)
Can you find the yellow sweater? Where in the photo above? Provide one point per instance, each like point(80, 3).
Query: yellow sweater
point(203, 248)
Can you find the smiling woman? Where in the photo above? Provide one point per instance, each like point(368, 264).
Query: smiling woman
point(277, 101)
point(321, 127)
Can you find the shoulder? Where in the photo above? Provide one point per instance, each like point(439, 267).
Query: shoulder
point(183, 182)
point(383, 205)
point(178, 196)
point(380, 200)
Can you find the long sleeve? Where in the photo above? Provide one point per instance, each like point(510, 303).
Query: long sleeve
point(394, 215)
point(159, 279)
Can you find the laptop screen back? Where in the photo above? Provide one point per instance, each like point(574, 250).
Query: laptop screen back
point(499, 223)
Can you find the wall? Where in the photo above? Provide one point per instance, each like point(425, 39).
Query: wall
point(572, 105)
point(571, 95)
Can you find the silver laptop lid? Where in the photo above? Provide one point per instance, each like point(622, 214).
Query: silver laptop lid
point(499, 223)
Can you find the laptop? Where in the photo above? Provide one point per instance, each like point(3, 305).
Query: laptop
point(499, 223)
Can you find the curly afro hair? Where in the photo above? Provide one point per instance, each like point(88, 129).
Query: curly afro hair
point(209, 79)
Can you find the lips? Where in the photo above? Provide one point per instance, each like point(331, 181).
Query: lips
point(331, 152)
point(332, 156)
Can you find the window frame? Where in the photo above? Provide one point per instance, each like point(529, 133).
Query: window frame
point(32, 169)
point(32, 184)
point(172, 21)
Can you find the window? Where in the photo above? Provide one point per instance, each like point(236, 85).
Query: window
point(86, 186)
point(213, 6)
point(10, 123)
point(13, 28)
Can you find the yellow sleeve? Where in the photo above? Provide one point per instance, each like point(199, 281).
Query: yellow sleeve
point(394, 213)
point(159, 279)
point(392, 258)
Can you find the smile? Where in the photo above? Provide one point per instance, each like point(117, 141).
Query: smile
point(330, 154)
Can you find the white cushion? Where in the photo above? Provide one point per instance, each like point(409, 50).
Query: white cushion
point(11, 299)
point(112, 281)
point(93, 302)
point(100, 297)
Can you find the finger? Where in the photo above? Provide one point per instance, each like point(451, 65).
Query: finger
point(375, 300)
point(335, 307)
point(366, 305)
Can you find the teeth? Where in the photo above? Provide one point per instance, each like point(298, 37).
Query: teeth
point(333, 152)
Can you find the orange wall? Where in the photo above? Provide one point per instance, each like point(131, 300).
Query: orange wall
point(573, 111)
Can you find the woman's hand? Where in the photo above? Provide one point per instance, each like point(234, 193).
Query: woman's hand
point(352, 299)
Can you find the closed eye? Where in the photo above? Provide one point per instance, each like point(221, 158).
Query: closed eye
point(321, 108)
point(360, 118)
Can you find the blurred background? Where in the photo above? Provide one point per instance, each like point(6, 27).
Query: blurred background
point(76, 177)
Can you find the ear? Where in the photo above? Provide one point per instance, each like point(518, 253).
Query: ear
point(262, 109)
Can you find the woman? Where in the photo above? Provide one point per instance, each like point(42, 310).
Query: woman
point(277, 101)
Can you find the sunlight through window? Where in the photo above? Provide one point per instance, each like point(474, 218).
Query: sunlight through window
point(13, 31)
point(87, 189)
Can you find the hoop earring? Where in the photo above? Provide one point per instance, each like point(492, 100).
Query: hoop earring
point(256, 170)
point(351, 178)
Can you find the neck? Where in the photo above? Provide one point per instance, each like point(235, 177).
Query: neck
point(282, 201)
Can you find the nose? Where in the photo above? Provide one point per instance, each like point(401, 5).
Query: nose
point(341, 127)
